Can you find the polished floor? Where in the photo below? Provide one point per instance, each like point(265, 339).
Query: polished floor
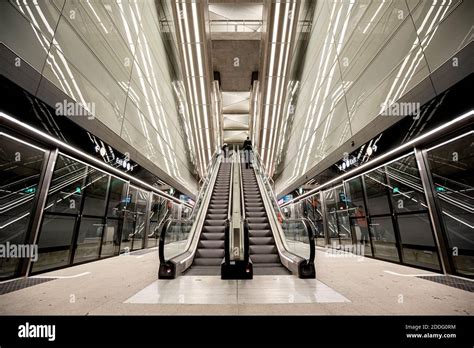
point(345, 285)
point(274, 289)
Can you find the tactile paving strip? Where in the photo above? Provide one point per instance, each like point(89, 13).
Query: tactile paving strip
point(451, 281)
point(19, 284)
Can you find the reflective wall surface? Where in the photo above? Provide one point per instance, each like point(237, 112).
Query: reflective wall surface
point(362, 56)
point(114, 59)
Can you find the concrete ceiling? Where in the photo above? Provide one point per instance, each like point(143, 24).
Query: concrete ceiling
point(235, 60)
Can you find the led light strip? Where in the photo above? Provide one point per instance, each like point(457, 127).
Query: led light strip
point(89, 157)
point(379, 159)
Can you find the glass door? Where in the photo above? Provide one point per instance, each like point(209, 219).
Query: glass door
point(337, 216)
point(21, 166)
point(133, 232)
point(450, 165)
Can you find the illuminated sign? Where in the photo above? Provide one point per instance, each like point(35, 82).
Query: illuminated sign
point(110, 156)
point(30, 190)
point(285, 199)
point(360, 156)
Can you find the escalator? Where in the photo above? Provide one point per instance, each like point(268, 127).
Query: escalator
point(278, 246)
point(210, 249)
point(197, 245)
point(236, 235)
point(263, 251)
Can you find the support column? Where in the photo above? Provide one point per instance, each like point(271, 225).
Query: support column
point(435, 213)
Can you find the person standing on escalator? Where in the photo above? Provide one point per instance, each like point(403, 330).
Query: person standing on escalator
point(247, 147)
point(225, 150)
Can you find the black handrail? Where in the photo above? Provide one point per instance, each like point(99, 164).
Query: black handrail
point(227, 248)
point(306, 268)
point(310, 229)
point(226, 242)
point(246, 242)
point(167, 268)
point(243, 215)
point(161, 222)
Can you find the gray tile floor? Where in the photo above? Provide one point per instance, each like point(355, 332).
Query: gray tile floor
point(213, 290)
point(369, 287)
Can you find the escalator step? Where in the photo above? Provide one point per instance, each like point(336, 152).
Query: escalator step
point(217, 223)
point(257, 220)
point(217, 211)
point(216, 216)
point(219, 202)
point(255, 209)
point(260, 240)
point(253, 214)
point(265, 258)
point(253, 200)
point(214, 229)
point(258, 226)
point(207, 261)
point(206, 253)
point(263, 249)
point(218, 206)
point(260, 233)
point(211, 244)
point(212, 236)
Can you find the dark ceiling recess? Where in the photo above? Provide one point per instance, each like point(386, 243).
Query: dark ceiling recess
point(254, 76)
point(217, 77)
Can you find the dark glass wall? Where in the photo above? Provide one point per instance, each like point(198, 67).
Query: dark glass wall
point(384, 214)
point(450, 165)
point(21, 166)
point(82, 216)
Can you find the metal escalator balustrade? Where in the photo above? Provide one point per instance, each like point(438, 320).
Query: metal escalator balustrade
point(180, 239)
point(210, 252)
point(293, 240)
point(262, 249)
point(237, 263)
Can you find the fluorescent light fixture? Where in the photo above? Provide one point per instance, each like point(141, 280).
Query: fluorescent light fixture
point(402, 147)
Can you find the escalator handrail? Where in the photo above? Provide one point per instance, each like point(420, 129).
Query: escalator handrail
point(201, 189)
point(161, 245)
point(228, 221)
point(242, 197)
point(181, 261)
point(229, 206)
point(227, 242)
point(289, 259)
point(161, 242)
point(310, 228)
point(205, 181)
point(246, 241)
point(160, 223)
point(245, 224)
point(266, 178)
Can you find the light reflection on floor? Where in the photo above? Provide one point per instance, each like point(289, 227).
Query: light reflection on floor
point(213, 290)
